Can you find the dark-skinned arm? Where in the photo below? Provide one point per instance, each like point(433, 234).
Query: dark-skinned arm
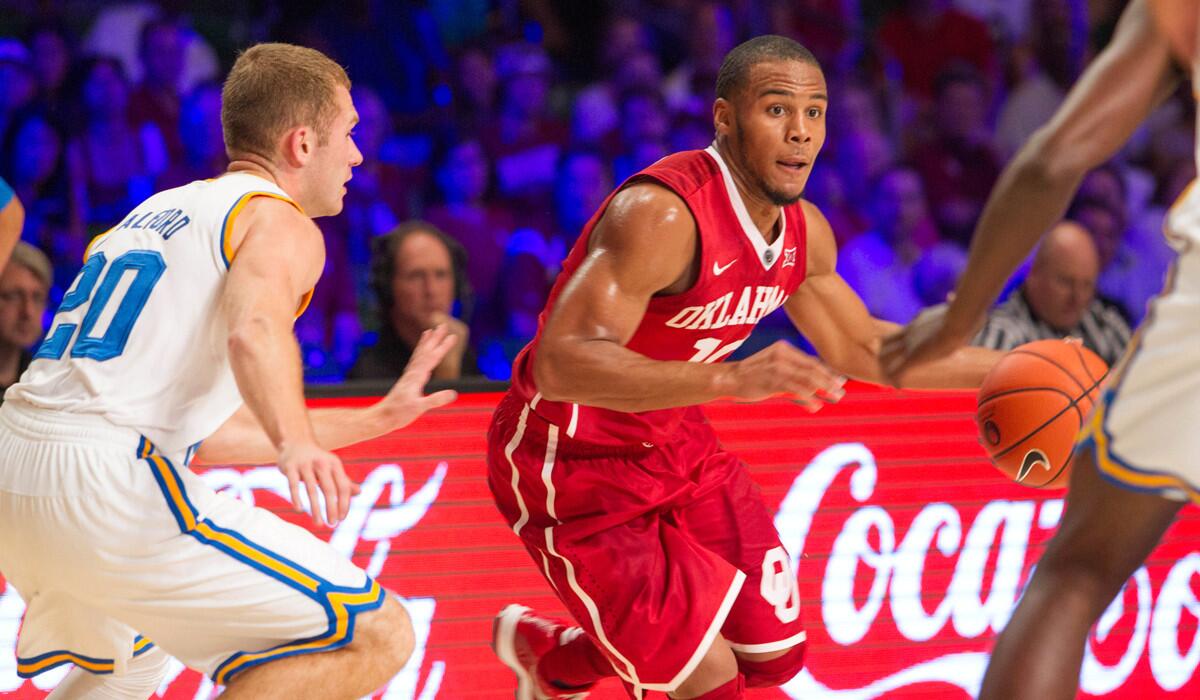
point(834, 319)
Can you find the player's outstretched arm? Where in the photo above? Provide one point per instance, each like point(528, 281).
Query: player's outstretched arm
point(12, 218)
point(646, 244)
point(279, 254)
point(827, 311)
point(242, 439)
point(1129, 78)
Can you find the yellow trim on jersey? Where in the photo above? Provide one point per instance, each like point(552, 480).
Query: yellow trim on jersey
point(87, 252)
point(304, 302)
point(227, 251)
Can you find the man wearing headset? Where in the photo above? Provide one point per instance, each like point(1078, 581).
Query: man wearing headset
point(417, 276)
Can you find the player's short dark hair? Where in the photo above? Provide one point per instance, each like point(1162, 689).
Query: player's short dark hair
point(735, 69)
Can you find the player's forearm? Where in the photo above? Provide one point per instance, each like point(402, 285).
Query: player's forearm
point(605, 374)
point(266, 363)
point(964, 369)
point(1030, 197)
point(242, 439)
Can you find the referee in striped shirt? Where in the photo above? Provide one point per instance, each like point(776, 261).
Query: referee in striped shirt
point(1058, 299)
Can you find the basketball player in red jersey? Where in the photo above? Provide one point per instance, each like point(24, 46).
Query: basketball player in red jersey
point(651, 534)
point(1138, 459)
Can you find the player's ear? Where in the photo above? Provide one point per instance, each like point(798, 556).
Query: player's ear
point(723, 117)
point(298, 144)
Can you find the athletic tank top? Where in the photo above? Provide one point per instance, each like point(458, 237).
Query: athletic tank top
point(741, 279)
point(139, 338)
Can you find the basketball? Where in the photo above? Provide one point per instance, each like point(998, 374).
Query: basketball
point(1032, 405)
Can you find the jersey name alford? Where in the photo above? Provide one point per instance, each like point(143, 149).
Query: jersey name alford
point(751, 306)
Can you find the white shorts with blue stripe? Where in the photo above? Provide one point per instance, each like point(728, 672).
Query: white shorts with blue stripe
point(115, 548)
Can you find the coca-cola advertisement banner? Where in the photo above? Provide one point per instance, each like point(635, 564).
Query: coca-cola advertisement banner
point(910, 551)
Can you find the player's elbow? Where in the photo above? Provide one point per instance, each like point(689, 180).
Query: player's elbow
point(248, 335)
point(551, 373)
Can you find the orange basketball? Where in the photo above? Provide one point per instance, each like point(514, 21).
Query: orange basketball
point(1032, 406)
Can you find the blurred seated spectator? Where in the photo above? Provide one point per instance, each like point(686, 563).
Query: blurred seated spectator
point(525, 140)
point(936, 274)
point(644, 126)
point(111, 162)
point(32, 155)
point(926, 36)
point(157, 98)
point(418, 274)
point(711, 33)
point(1133, 259)
point(1058, 299)
point(474, 90)
point(116, 32)
point(17, 84)
point(24, 288)
point(879, 263)
point(463, 177)
point(533, 257)
point(203, 143)
point(959, 166)
point(51, 53)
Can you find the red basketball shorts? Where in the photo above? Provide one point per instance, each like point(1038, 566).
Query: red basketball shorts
point(653, 549)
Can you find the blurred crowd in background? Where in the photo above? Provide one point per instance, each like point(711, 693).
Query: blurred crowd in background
point(493, 129)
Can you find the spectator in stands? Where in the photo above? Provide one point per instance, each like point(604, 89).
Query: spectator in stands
point(112, 163)
point(50, 52)
point(474, 85)
point(960, 165)
point(157, 99)
point(463, 176)
point(879, 264)
point(203, 144)
point(644, 129)
point(525, 141)
point(926, 36)
point(32, 155)
point(418, 275)
point(533, 257)
point(17, 84)
point(1058, 299)
point(24, 288)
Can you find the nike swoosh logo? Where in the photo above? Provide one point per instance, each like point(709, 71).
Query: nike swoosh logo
point(1032, 457)
point(718, 269)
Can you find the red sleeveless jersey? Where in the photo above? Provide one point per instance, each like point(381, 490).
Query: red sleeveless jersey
point(741, 280)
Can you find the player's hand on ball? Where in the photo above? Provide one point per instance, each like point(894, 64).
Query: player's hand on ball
point(318, 470)
point(783, 369)
point(406, 400)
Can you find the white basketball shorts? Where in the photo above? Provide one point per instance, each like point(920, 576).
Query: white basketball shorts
point(115, 548)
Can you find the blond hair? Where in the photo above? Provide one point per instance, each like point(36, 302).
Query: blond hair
point(276, 87)
point(33, 260)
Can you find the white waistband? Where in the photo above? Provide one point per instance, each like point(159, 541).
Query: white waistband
point(85, 428)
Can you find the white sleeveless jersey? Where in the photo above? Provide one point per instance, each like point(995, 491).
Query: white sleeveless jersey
point(140, 338)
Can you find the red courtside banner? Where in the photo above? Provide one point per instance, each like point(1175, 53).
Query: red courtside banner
point(910, 550)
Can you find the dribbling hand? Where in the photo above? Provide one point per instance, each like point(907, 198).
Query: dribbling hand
point(783, 369)
point(318, 470)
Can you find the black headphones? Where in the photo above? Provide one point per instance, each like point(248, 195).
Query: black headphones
point(383, 267)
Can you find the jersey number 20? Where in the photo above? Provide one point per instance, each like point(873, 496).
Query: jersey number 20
point(145, 267)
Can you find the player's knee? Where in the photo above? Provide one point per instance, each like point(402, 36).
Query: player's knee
point(762, 671)
point(386, 634)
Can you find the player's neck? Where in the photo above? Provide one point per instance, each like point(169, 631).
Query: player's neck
point(763, 212)
point(260, 167)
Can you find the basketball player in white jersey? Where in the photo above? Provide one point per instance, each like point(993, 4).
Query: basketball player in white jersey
point(1138, 460)
point(175, 341)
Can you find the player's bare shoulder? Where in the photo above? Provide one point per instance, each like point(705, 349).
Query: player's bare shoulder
point(820, 243)
point(650, 228)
